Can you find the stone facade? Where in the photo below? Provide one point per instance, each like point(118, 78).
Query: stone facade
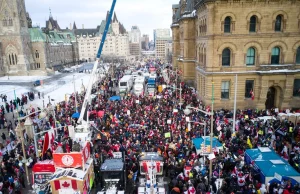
point(257, 41)
point(116, 43)
point(23, 48)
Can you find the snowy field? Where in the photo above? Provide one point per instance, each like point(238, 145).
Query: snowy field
point(22, 78)
point(55, 89)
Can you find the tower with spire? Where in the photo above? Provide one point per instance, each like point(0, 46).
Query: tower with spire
point(51, 24)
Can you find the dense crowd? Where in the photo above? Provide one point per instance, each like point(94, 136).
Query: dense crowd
point(137, 124)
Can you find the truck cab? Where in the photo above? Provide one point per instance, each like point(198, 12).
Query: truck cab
point(151, 87)
point(112, 176)
point(151, 170)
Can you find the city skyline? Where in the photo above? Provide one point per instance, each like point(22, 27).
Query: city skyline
point(92, 12)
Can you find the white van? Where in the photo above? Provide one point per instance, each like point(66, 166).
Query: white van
point(125, 83)
point(139, 80)
point(138, 89)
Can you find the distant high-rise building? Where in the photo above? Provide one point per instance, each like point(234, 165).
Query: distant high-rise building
point(161, 37)
point(145, 42)
point(160, 33)
point(135, 41)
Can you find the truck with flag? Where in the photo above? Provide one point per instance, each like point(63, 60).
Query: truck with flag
point(151, 170)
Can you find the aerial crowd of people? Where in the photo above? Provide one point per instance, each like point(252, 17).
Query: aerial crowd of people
point(136, 124)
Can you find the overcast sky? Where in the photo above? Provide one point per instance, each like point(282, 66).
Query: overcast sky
point(147, 14)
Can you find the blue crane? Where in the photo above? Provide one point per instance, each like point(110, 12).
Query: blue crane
point(89, 88)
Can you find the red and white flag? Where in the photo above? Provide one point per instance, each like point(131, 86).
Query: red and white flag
point(252, 94)
point(65, 184)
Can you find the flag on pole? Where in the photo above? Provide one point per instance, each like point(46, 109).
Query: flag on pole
point(252, 94)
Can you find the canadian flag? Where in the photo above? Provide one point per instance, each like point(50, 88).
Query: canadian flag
point(65, 184)
point(252, 94)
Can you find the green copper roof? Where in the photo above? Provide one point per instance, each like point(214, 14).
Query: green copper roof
point(102, 27)
point(36, 35)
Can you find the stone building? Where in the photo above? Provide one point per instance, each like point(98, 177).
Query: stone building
point(116, 43)
point(29, 51)
point(257, 41)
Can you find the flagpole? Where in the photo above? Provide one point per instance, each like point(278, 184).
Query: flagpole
point(234, 109)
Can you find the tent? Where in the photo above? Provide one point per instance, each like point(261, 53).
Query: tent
point(205, 140)
point(275, 168)
point(262, 153)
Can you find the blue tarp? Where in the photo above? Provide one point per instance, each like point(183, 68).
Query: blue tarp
point(76, 115)
point(256, 154)
point(198, 141)
point(115, 98)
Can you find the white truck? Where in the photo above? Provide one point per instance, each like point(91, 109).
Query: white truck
point(125, 84)
point(139, 86)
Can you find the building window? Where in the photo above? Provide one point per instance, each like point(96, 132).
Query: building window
point(10, 22)
point(296, 90)
point(225, 90)
point(275, 57)
point(249, 88)
point(16, 59)
point(4, 22)
point(250, 57)
point(252, 27)
point(226, 57)
point(9, 60)
point(37, 55)
point(298, 56)
point(278, 23)
point(38, 65)
point(227, 24)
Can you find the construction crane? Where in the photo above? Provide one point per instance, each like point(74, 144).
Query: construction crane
point(83, 126)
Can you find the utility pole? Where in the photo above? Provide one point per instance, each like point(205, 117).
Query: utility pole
point(75, 93)
point(211, 130)
point(234, 109)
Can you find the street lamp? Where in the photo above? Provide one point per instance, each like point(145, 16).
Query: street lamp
point(187, 111)
point(20, 135)
point(31, 132)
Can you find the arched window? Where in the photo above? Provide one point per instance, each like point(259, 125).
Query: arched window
point(227, 24)
point(275, 57)
point(250, 56)
point(226, 57)
point(4, 22)
point(10, 22)
point(298, 55)
point(252, 27)
point(13, 59)
point(9, 59)
point(278, 23)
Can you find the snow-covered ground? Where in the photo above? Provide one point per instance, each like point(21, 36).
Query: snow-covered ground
point(55, 89)
point(22, 78)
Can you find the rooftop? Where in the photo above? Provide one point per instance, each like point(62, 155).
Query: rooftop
point(113, 164)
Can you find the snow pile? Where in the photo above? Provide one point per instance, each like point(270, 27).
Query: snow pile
point(22, 78)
